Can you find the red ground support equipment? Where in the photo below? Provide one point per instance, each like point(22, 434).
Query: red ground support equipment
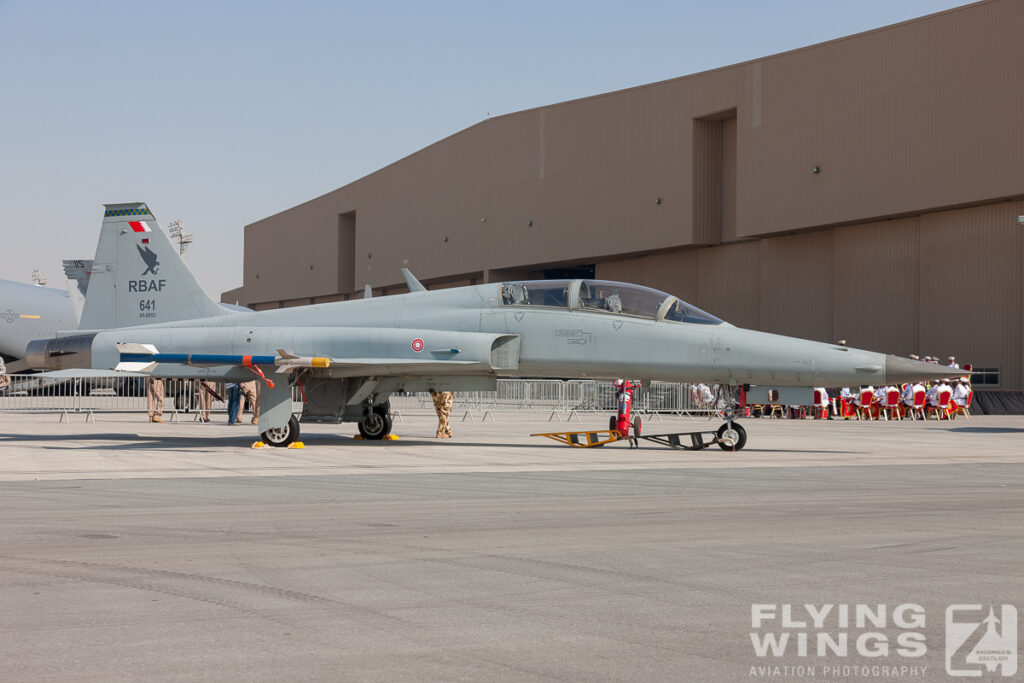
point(622, 422)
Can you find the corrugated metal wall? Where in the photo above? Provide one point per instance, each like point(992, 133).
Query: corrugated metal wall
point(795, 294)
point(876, 286)
point(902, 120)
point(675, 273)
point(905, 121)
point(971, 282)
point(947, 283)
point(729, 278)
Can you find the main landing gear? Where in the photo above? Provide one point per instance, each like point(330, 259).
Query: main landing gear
point(283, 436)
point(376, 422)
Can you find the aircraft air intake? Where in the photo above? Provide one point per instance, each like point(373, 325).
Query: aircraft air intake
point(505, 352)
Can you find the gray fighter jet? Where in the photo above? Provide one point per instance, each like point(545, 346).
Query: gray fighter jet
point(29, 312)
point(350, 356)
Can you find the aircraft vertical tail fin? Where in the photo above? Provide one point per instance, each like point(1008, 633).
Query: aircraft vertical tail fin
point(138, 276)
point(77, 272)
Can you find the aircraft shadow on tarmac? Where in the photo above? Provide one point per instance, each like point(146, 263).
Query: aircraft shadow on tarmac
point(988, 430)
point(129, 441)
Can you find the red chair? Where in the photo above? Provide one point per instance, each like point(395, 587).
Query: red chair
point(820, 405)
point(967, 368)
point(917, 410)
point(942, 410)
point(866, 409)
point(892, 405)
point(847, 408)
point(964, 409)
point(773, 406)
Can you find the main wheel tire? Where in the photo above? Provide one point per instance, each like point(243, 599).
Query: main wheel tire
point(737, 434)
point(636, 426)
point(376, 425)
point(283, 436)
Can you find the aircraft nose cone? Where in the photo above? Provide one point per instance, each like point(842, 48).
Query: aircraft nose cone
point(899, 370)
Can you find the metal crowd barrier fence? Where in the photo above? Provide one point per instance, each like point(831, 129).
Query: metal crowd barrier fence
point(33, 393)
point(40, 394)
point(565, 396)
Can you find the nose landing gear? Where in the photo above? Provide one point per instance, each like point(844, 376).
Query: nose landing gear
point(731, 436)
point(376, 422)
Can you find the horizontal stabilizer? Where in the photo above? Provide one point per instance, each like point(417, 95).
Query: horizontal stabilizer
point(83, 373)
point(135, 367)
point(77, 269)
point(133, 347)
point(141, 357)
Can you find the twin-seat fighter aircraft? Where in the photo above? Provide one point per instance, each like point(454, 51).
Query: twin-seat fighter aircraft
point(29, 312)
point(145, 312)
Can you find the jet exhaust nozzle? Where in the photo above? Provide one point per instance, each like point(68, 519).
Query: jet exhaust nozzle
point(60, 353)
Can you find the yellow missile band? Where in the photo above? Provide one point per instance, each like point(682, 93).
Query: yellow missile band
point(321, 362)
point(33, 317)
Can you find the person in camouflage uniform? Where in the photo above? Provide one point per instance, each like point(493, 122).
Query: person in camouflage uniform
point(443, 408)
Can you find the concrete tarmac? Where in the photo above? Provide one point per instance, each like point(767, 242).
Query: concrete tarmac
point(174, 551)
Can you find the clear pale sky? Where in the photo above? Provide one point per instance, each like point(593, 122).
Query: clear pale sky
point(222, 113)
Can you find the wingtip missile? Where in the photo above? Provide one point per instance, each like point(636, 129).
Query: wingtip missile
point(289, 362)
point(146, 356)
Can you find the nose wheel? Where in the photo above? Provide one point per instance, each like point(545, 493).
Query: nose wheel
point(732, 436)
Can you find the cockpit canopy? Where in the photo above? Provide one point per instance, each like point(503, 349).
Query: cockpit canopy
point(618, 298)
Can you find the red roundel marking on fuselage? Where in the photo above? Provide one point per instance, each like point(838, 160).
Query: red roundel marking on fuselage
point(417, 345)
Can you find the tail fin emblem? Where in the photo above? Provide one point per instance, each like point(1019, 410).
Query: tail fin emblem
point(149, 258)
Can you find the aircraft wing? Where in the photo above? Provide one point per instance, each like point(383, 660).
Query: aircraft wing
point(359, 367)
point(144, 358)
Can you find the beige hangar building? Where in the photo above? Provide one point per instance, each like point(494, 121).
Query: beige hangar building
point(869, 188)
